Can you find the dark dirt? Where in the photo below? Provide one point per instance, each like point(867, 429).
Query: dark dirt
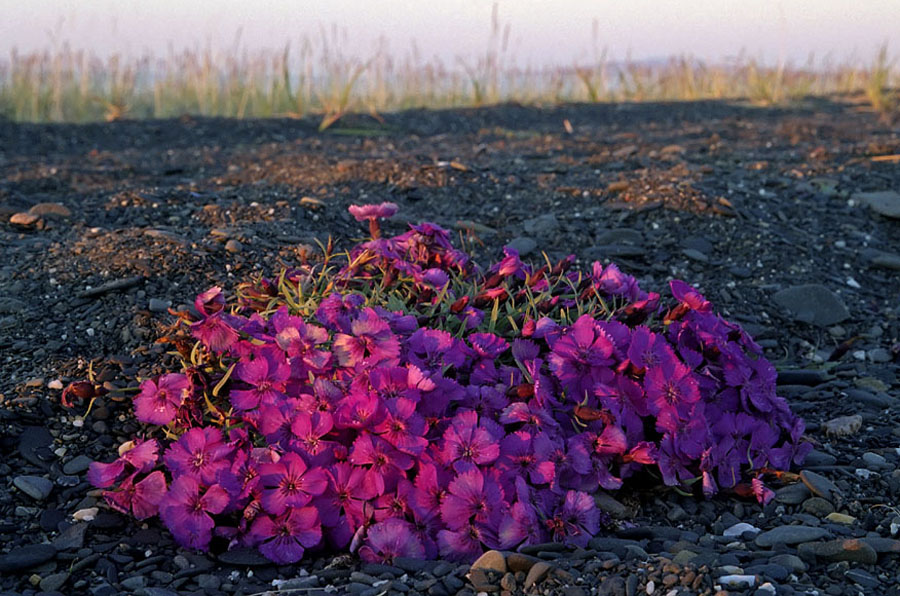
point(743, 202)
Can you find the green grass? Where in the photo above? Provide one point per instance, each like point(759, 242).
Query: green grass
point(317, 78)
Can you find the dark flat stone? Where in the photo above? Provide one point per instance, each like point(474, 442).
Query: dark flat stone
point(26, 557)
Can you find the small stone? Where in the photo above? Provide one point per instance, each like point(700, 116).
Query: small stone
point(53, 582)
point(792, 494)
point(738, 581)
point(87, 514)
point(71, 538)
point(883, 202)
point(135, 582)
point(612, 586)
point(522, 245)
point(790, 535)
point(791, 562)
point(542, 226)
point(77, 464)
point(841, 518)
point(248, 557)
point(25, 220)
point(819, 485)
point(26, 557)
point(234, 246)
point(537, 572)
point(737, 530)
point(481, 582)
point(159, 306)
point(517, 562)
point(36, 487)
point(873, 460)
point(812, 303)
point(850, 549)
point(886, 261)
point(605, 502)
point(695, 255)
point(843, 426)
point(52, 210)
point(818, 506)
point(880, 355)
point(863, 578)
point(491, 560)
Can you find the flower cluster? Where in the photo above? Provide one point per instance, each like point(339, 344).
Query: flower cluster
point(411, 404)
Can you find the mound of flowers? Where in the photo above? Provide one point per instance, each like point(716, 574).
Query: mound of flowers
point(399, 401)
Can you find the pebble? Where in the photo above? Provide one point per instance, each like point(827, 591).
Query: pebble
point(850, 549)
point(738, 529)
point(819, 485)
point(843, 426)
point(52, 210)
point(817, 506)
point(36, 487)
point(812, 303)
point(25, 557)
point(491, 560)
point(737, 581)
point(23, 219)
point(158, 305)
point(840, 518)
point(542, 226)
point(789, 535)
point(518, 562)
point(234, 246)
point(523, 245)
point(791, 562)
point(53, 582)
point(537, 572)
point(77, 465)
point(863, 578)
point(883, 202)
point(886, 261)
point(71, 538)
point(792, 494)
point(135, 582)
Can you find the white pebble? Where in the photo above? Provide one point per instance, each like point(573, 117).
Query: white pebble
point(864, 474)
point(767, 587)
point(738, 581)
point(55, 384)
point(86, 514)
point(651, 587)
point(739, 529)
point(853, 283)
point(860, 355)
point(78, 422)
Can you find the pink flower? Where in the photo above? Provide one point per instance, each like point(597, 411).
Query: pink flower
point(159, 401)
point(141, 499)
point(185, 511)
point(284, 538)
point(288, 483)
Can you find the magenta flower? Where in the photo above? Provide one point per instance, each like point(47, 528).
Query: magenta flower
point(212, 329)
point(136, 457)
point(283, 539)
point(390, 539)
point(574, 521)
point(288, 483)
point(402, 427)
point(434, 349)
point(473, 497)
point(689, 297)
point(200, 454)
point(265, 375)
point(159, 401)
point(372, 342)
point(578, 355)
point(466, 543)
point(371, 211)
point(386, 464)
point(467, 442)
point(141, 499)
point(671, 385)
point(186, 510)
point(518, 459)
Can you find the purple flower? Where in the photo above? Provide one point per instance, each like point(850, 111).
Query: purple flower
point(288, 483)
point(672, 386)
point(200, 454)
point(186, 511)
point(472, 497)
point(139, 499)
point(284, 538)
point(159, 401)
point(344, 500)
point(433, 349)
point(212, 329)
point(689, 297)
point(372, 342)
point(359, 410)
point(368, 212)
point(135, 457)
point(266, 375)
point(386, 464)
point(576, 521)
point(522, 525)
point(467, 442)
point(518, 459)
point(577, 356)
point(402, 427)
point(390, 539)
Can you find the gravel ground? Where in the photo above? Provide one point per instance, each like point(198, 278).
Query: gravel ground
point(781, 216)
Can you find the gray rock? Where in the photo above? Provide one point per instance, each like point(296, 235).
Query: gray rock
point(234, 246)
point(850, 549)
point(737, 530)
point(792, 494)
point(792, 562)
point(863, 578)
point(790, 535)
point(10, 306)
point(159, 592)
point(158, 305)
point(874, 461)
point(135, 582)
point(883, 202)
point(77, 464)
point(818, 506)
point(600, 252)
point(886, 261)
point(36, 487)
point(695, 255)
point(868, 398)
point(522, 245)
point(880, 355)
point(819, 458)
point(819, 485)
point(812, 303)
point(620, 236)
point(71, 538)
point(209, 582)
point(542, 226)
point(26, 557)
point(249, 557)
point(54, 582)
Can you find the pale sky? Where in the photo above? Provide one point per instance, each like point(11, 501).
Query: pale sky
point(542, 31)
